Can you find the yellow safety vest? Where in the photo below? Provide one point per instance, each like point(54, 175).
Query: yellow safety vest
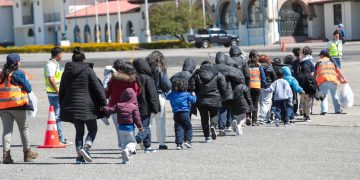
point(57, 76)
point(12, 96)
point(335, 49)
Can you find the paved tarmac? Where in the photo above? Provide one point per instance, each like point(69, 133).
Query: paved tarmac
point(326, 148)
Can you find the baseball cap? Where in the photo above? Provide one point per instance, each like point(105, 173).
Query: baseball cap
point(13, 58)
point(324, 52)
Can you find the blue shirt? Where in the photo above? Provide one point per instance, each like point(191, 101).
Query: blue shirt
point(19, 79)
point(127, 127)
point(181, 101)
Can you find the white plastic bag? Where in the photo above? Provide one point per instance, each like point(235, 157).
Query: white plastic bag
point(34, 101)
point(345, 96)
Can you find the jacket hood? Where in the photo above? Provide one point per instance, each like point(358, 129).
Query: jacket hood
point(189, 65)
point(307, 58)
point(75, 68)
point(128, 96)
point(286, 71)
point(305, 69)
point(235, 50)
point(207, 72)
point(118, 75)
point(142, 67)
point(220, 58)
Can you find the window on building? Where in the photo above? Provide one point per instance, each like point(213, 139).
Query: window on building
point(337, 14)
point(255, 16)
point(30, 33)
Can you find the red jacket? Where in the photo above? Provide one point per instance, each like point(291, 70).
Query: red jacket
point(118, 83)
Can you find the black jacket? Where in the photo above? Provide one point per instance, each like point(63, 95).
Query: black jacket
point(209, 86)
point(81, 93)
point(189, 67)
point(296, 65)
point(148, 98)
point(307, 81)
point(269, 74)
point(241, 103)
point(240, 63)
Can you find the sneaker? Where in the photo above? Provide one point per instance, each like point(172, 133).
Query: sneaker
point(106, 121)
point(188, 145)
point(323, 113)
point(149, 150)
point(208, 140)
point(85, 154)
point(292, 121)
point(234, 125)
point(80, 160)
point(229, 129)
point(163, 147)
point(125, 157)
point(66, 142)
point(272, 115)
point(277, 122)
point(307, 118)
point(222, 133)
point(287, 124)
point(213, 133)
point(179, 147)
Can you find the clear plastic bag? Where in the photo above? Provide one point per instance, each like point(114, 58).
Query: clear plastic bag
point(34, 101)
point(345, 96)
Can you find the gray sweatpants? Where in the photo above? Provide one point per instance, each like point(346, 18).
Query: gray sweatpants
point(8, 117)
point(128, 140)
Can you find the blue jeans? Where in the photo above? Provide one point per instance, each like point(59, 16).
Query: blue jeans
point(325, 87)
point(338, 61)
point(282, 110)
point(54, 101)
point(224, 116)
point(183, 127)
point(145, 136)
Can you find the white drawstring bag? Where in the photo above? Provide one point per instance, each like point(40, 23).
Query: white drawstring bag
point(345, 96)
point(32, 114)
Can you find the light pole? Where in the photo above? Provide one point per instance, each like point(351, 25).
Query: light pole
point(190, 11)
point(108, 22)
point(97, 23)
point(147, 28)
point(119, 22)
point(204, 13)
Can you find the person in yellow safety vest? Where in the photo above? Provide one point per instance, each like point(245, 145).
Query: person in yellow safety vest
point(14, 102)
point(336, 49)
point(52, 75)
point(328, 76)
point(257, 81)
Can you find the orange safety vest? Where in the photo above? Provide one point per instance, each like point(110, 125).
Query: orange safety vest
point(255, 79)
point(12, 96)
point(326, 71)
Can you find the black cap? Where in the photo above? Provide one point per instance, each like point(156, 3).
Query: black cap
point(13, 58)
point(324, 52)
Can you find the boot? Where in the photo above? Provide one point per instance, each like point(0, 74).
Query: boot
point(30, 155)
point(7, 157)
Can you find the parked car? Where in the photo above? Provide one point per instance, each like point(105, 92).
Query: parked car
point(207, 37)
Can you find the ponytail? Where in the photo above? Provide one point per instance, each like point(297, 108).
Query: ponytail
point(7, 70)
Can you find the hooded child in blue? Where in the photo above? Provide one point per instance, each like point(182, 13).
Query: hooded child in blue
point(294, 84)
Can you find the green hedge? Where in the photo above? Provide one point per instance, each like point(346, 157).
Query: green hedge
point(96, 47)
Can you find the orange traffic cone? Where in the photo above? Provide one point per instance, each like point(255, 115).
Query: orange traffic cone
point(51, 135)
point(283, 48)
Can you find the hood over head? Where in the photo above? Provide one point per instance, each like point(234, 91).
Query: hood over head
point(189, 65)
point(142, 67)
point(76, 68)
point(235, 51)
point(128, 96)
point(286, 71)
point(220, 58)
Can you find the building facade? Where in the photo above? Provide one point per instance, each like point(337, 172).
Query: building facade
point(6, 19)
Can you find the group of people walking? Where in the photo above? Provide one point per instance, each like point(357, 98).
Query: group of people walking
point(228, 94)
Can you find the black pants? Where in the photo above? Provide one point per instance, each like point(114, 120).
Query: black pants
point(255, 94)
point(91, 126)
point(208, 113)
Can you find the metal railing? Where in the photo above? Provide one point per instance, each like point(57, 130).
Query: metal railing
point(53, 17)
point(27, 20)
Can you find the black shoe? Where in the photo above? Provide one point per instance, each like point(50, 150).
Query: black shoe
point(323, 113)
point(307, 118)
point(179, 147)
point(163, 147)
point(80, 160)
point(85, 154)
point(213, 133)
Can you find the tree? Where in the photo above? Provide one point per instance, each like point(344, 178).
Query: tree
point(166, 19)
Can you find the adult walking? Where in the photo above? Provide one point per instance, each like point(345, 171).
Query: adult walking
point(52, 75)
point(81, 98)
point(14, 102)
point(158, 67)
point(328, 76)
point(336, 49)
point(235, 53)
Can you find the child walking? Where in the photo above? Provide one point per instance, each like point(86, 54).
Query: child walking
point(181, 102)
point(282, 106)
point(128, 116)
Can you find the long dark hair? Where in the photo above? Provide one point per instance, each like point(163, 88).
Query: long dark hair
point(156, 59)
point(124, 67)
point(78, 55)
point(7, 70)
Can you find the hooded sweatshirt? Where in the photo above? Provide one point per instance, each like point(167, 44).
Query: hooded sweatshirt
point(281, 90)
point(294, 84)
point(127, 111)
point(188, 68)
point(148, 98)
point(309, 61)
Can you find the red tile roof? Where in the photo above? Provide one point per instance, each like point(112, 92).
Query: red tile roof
point(6, 3)
point(320, 1)
point(125, 7)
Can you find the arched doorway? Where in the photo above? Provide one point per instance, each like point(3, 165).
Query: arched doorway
point(106, 33)
point(129, 29)
point(77, 35)
point(97, 33)
point(87, 34)
point(293, 19)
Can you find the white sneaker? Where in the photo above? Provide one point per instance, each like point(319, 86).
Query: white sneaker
point(125, 157)
point(106, 121)
point(208, 140)
point(188, 145)
point(229, 129)
point(234, 125)
point(240, 130)
point(149, 150)
point(277, 122)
